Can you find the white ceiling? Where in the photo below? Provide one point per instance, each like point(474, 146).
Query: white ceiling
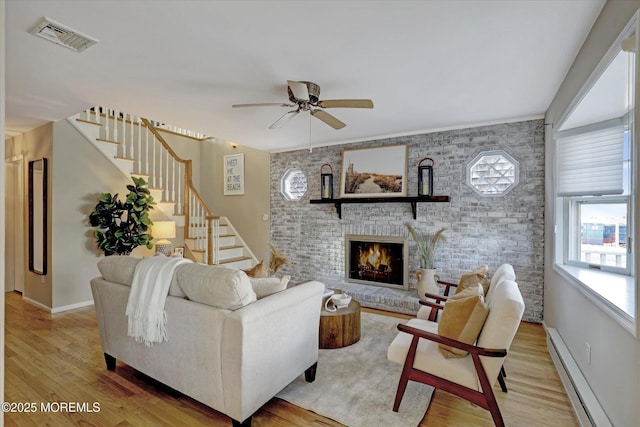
point(426, 65)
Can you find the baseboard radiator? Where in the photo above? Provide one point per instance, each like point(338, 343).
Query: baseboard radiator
point(585, 404)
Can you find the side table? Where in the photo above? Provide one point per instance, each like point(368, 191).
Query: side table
point(340, 328)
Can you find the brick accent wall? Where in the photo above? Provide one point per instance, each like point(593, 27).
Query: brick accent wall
point(480, 230)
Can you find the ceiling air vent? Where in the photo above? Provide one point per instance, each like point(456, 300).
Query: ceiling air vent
point(60, 34)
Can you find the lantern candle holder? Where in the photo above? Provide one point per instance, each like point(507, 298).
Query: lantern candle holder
point(326, 182)
point(425, 177)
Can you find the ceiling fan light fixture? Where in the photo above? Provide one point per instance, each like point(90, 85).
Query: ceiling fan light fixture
point(314, 92)
point(306, 95)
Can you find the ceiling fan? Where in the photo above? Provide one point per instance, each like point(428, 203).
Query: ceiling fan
point(305, 96)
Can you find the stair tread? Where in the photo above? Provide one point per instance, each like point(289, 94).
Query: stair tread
point(230, 260)
point(230, 247)
point(124, 158)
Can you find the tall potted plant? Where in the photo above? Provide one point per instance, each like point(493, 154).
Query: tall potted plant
point(123, 226)
point(427, 243)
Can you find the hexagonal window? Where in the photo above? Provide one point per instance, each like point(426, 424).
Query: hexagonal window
point(293, 185)
point(493, 173)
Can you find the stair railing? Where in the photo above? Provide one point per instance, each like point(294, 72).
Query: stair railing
point(139, 140)
point(200, 223)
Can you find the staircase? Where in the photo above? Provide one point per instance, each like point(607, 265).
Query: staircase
point(136, 146)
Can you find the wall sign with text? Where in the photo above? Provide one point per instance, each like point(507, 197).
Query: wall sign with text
point(233, 174)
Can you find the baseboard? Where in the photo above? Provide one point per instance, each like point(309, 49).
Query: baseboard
point(71, 306)
point(585, 404)
point(36, 303)
point(58, 309)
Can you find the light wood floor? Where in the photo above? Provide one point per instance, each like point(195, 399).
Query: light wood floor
point(58, 358)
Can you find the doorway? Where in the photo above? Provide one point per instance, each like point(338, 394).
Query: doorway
point(14, 225)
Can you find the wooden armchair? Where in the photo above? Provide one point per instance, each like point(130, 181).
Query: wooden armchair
point(504, 272)
point(470, 377)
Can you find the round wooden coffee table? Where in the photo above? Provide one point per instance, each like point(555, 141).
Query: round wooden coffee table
point(340, 328)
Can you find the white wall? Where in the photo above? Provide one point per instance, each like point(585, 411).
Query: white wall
point(614, 371)
point(244, 211)
point(79, 174)
point(34, 144)
point(2, 112)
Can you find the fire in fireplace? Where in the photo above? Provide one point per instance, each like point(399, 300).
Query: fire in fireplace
point(377, 260)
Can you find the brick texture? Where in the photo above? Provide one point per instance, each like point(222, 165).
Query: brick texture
point(480, 230)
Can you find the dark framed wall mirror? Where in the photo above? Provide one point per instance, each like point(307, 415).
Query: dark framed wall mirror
point(38, 216)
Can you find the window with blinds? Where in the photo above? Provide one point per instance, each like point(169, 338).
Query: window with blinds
point(591, 162)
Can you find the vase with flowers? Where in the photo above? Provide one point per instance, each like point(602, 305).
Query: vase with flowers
point(427, 243)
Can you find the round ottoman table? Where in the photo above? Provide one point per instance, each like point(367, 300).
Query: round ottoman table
point(340, 328)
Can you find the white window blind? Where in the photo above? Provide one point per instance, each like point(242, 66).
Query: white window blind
point(591, 163)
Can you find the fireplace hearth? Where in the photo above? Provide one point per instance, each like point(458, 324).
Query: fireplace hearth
point(377, 260)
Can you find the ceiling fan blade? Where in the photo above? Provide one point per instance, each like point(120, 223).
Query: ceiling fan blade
point(284, 119)
point(299, 90)
point(328, 119)
point(346, 103)
point(264, 104)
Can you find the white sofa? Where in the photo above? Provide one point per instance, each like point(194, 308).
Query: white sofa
point(231, 360)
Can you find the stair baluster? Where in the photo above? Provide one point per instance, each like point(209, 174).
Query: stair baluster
point(115, 128)
point(107, 126)
point(139, 151)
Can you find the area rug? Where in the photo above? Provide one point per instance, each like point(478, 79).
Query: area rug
point(356, 385)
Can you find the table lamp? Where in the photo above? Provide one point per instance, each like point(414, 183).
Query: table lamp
point(164, 230)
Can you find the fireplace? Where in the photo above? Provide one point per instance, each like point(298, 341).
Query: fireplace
point(377, 260)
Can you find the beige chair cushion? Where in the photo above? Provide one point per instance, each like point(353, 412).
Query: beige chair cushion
point(265, 286)
point(258, 270)
point(462, 319)
point(473, 277)
point(430, 359)
point(220, 287)
point(118, 269)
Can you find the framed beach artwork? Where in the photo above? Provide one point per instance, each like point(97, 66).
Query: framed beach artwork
point(233, 168)
point(374, 172)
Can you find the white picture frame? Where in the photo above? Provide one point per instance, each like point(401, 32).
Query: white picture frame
point(178, 251)
point(233, 174)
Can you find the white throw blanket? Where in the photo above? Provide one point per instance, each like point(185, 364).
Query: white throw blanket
point(149, 290)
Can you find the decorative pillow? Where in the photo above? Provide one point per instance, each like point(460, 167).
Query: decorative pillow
point(469, 291)
point(118, 269)
point(473, 277)
point(474, 290)
point(259, 270)
point(265, 286)
point(462, 319)
point(220, 287)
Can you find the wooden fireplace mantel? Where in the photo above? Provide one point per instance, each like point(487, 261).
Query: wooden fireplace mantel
point(413, 200)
